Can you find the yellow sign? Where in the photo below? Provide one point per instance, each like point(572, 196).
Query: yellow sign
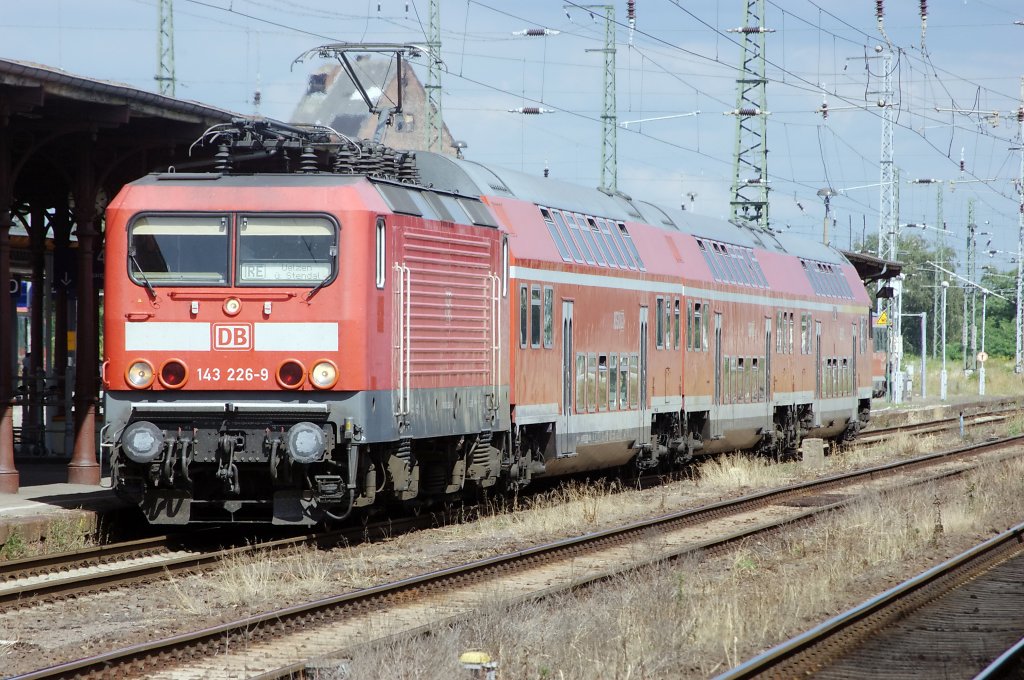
point(883, 319)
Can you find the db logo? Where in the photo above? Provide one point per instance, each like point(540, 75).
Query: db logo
point(232, 336)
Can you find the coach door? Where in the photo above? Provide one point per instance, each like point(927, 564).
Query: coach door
point(645, 417)
point(564, 431)
point(716, 418)
point(819, 369)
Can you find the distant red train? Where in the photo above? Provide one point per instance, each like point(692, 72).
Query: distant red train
point(378, 328)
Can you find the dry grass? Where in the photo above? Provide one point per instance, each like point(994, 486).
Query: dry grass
point(691, 618)
point(740, 472)
point(258, 579)
point(7, 648)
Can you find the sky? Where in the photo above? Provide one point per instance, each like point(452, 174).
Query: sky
point(957, 88)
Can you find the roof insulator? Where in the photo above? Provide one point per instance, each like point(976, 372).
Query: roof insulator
point(307, 161)
point(222, 159)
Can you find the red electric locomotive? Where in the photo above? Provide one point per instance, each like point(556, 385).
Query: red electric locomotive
point(379, 327)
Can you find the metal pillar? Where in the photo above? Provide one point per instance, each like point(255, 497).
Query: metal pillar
point(939, 257)
point(9, 478)
point(888, 246)
point(435, 122)
point(609, 115)
point(83, 468)
point(750, 193)
point(1018, 366)
point(972, 274)
point(165, 48)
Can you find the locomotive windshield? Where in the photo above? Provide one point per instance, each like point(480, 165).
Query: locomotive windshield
point(285, 249)
point(275, 250)
point(168, 249)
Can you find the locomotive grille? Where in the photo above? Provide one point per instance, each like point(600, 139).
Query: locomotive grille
point(449, 306)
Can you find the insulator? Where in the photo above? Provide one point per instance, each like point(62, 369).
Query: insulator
point(924, 9)
point(824, 109)
point(1020, 115)
point(307, 161)
point(531, 110)
point(222, 159)
point(962, 165)
point(748, 112)
point(631, 9)
point(750, 29)
point(535, 31)
point(879, 9)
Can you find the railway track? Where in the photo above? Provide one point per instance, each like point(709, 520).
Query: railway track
point(280, 642)
point(962, 618)
point(30, 581)
point(870, 436)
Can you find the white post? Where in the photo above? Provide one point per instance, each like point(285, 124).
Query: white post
point(924, 354)
point(981, 364)
point(942, 375)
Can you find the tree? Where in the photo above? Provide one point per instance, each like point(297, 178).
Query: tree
point(918, 257)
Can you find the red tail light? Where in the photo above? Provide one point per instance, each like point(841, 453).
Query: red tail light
point(173, 374)
point(290, 374)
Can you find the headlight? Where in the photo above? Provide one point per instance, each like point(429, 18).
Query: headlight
point(290, 374)
point(140, 374)
point(323, 375)
point(232, 306)
point(306, 442)
point(142, 441)
point(173, 374)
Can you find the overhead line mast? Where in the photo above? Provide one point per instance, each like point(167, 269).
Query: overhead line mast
point(433, 87)
point(165, 47)
point(750, 194)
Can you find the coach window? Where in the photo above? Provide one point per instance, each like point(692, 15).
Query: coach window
point(589, 236)
point(613, 247)
point(696, 326)
point(286, 249)
point(631, 247)
point(504, 267)
point(668, 323)
point(613, 381)
point(689, 324)
point(602, 382)
point(675, 325)
point(563, 250)
point(549, 317)
point(566, 236)
point(592, 382)
point(634, 381)
point(581, 382)
point(576, 234)
point(595, 235)
point(624, 382)
point(381, 253)
point(524, 310)
point(168, 250)
point(535, 316)
point(659, 317)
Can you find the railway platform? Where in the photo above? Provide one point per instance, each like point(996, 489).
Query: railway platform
point(46, 509)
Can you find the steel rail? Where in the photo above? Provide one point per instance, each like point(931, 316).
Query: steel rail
point(268, 625)
point(978, 558)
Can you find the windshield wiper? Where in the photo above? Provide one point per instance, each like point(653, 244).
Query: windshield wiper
point(316, 289)
point(149, 286)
